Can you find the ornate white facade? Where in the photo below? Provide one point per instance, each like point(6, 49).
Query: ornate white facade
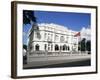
point(52, 38)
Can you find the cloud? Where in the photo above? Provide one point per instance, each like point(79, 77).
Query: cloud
point(86, 33)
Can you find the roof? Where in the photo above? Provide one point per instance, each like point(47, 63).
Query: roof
point(53, 26)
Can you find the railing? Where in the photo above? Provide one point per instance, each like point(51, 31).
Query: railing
point(46, 53)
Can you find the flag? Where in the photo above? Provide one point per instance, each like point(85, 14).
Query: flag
point(77, 34)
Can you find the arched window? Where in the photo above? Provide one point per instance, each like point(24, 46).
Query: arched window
point(68, 48)
point(37, 47)
point(30, 47)
point(56, 47)
point(64, 47)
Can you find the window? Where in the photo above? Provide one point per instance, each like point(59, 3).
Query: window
point(51, 36)
point(64, 47)
point(56, 37)
point(45, 46)
point(37, 35)
point(30, 47)
point(62, 39)
point(51, 47)
point(48, 48)
point(48, 36)
point(45, 35)
point(68, 48)
point(37, 47)
point(31, 37)
point(56, 47)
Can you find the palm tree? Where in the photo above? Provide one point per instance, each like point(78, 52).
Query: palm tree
point(29, 18)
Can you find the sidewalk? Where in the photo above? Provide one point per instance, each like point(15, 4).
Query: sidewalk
point(56, 60)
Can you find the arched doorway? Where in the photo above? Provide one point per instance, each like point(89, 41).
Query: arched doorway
point(68, 48)
point(56, 47)
point(37, 47)
point(64, 47)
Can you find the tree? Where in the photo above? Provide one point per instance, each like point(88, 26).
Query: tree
point(88, 46)
point(83, 44)
point(79, 45)
point(25, 47)
point(28, 17)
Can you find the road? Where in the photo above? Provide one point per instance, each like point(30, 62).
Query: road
point(59, 62)
point(69, 64)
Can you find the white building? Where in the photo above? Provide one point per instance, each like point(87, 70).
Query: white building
point(51, 38)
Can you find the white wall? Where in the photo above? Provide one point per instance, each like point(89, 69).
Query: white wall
point(5, 43)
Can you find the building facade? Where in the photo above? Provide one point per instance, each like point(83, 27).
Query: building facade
point(51, 38)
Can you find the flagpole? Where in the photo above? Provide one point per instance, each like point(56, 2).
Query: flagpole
point(79, 44)
point(85, 44)
point(79, 36)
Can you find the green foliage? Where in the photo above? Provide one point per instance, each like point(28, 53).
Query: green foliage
point(28, 17)
point(25, 47)
point(88, 46)
point(84, 45)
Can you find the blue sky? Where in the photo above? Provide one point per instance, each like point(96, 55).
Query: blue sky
point(73, 21)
